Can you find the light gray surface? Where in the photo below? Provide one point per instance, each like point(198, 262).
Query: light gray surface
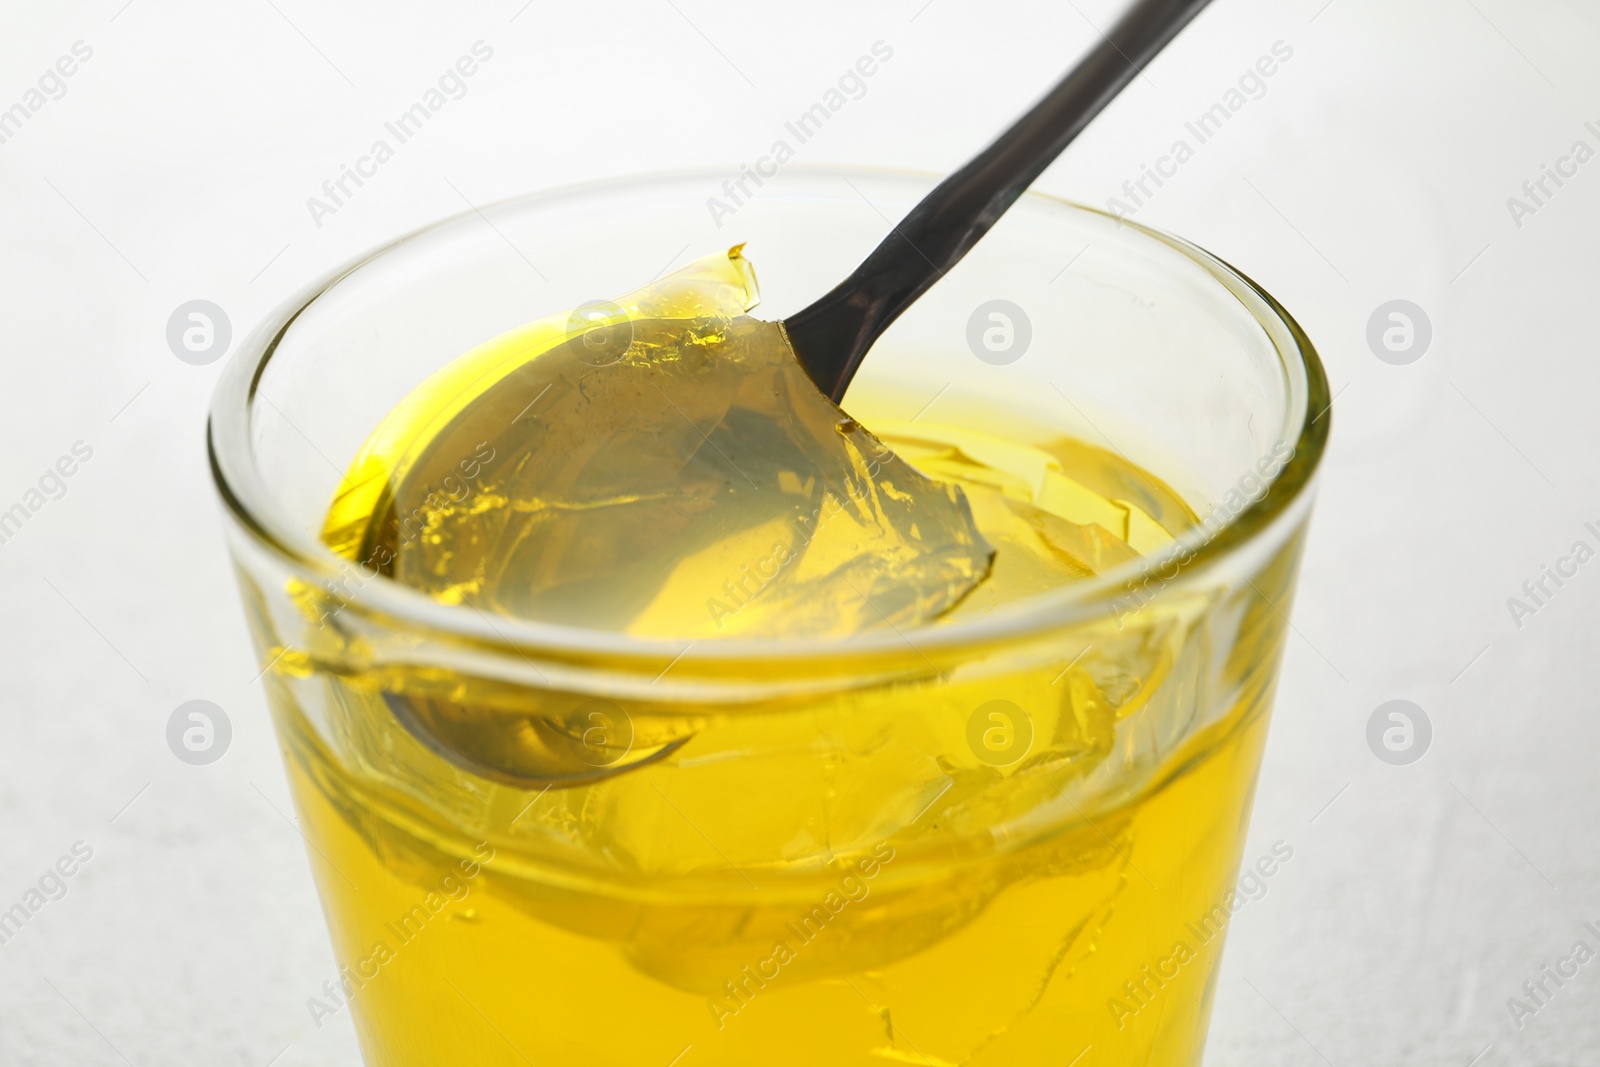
point(1376, 166)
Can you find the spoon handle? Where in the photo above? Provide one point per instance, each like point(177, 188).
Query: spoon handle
point(833, 334)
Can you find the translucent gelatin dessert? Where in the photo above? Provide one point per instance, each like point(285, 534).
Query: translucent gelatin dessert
point(939, 842)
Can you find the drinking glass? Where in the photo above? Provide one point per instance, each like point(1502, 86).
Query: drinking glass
point(1002, 839)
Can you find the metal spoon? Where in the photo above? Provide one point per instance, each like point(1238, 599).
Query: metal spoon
point(833, 335)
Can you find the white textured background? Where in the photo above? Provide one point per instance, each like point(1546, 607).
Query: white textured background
point(1376, 166)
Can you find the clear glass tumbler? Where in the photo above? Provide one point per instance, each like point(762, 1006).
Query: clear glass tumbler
point(1007, 839)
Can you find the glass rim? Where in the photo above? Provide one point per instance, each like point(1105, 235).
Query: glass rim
point(250, 502)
